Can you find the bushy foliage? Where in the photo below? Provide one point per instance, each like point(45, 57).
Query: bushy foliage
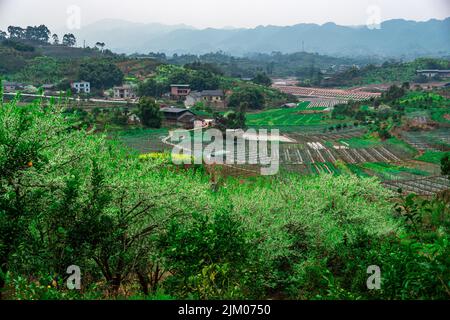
point(140, 226)
point(445, 166)
point(262, 79)
point(252, 97)
point(70, 197)
point(101, 74)
point(389, 71)
point(149, 112)
point(209, 256)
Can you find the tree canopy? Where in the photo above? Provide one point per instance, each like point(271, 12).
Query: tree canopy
point(69, 40)
point(251, 97)
point(149, 112)
point(262, 79)
point(140, 227)
point(100, 73)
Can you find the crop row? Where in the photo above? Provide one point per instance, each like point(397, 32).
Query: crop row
point(423, 186)
point(314, 154)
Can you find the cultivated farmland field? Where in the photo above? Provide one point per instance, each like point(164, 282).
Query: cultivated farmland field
point(144, 141)
point(314, 150)
point(300, 116)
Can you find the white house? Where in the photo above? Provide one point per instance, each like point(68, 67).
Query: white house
point(124, 92)
point(81, 87)
point(209, 97)
point(433, 73)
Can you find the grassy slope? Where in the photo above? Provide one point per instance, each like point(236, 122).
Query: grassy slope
point(432, 157)
point(286, 117)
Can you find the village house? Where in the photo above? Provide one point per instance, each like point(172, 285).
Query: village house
point(81, 87)
point(178, 117)
point(133, 119)
point(124, 92)
point(179, 91)
point(48, 88)
point(215, 98)
point(11, 87)
point(434, 73)
point(289, 105)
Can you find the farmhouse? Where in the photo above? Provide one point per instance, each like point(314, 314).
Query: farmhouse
point(12, 86)
point(214, 98)
point(289, 105)
point(434, 73)
point(124, 92)
point(133, 119)
point(178, 116)
point(179, 91)
point(81, 87)
point(48, 88)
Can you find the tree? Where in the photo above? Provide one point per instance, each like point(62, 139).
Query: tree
point(101, 45)
point(158, 55)
point(69, 40)
point(37, 34)
point(68, 196)
point(406, 85)
point(393, 93)
point(420, 78)
point(204, 80)
point(179, 77)
point(262, 79)
point(3, 35)
point(17, 45)
point(149, 112)
point(208, 67)
point(28, 139)
point(101, 74)
point(251, 97)
point(209, 255)
point(16, 32)
point(232, 119)
point(445, 166)
point(152, 88)
point(55, 39)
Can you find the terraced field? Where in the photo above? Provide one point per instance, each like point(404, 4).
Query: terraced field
point(329, 154)
point(436, 140)
point(322, 102)
point(322, 153)
point(312, 153)
point(327, 93)
point(432, 156)
point(425, 186)
point(300, 116)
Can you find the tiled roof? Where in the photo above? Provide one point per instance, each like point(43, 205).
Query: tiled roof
point(174, 110)
point(211, 93)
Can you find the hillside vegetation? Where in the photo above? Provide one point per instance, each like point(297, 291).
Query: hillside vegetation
point(144, 228)
point(388, 72)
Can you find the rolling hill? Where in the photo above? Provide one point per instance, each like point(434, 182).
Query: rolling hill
point(395, 38)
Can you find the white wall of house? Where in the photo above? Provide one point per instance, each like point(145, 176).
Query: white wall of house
point(190, 101)
point(124, 93)
point(82, 87)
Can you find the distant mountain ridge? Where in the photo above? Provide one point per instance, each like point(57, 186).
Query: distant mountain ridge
point(395, 38)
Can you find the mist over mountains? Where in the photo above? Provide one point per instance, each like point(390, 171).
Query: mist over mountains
point(396, 38)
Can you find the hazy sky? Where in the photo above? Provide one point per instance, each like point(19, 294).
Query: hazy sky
point(219, 13)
